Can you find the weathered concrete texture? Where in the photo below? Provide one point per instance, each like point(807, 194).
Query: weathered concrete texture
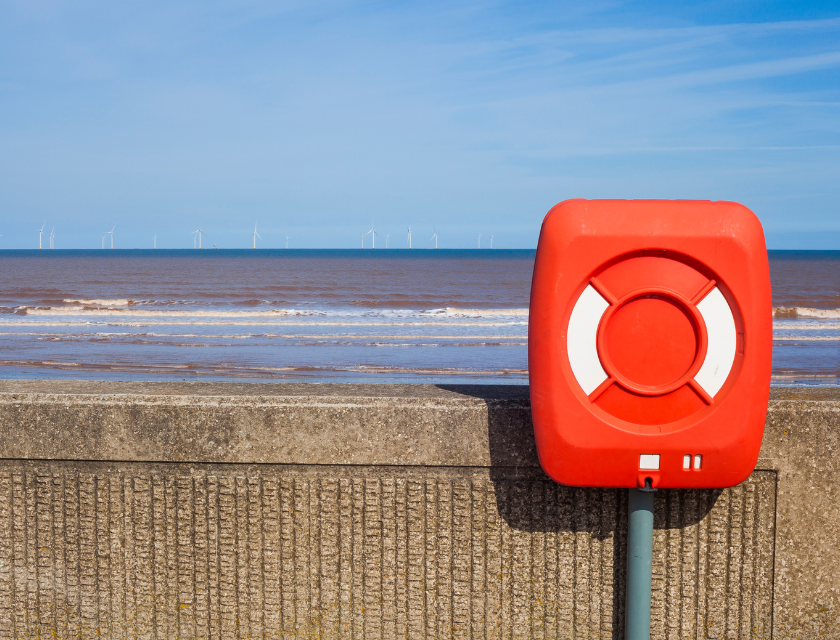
point(110, 494)
point(802, 442)
point(176, 551)
point(267, 423)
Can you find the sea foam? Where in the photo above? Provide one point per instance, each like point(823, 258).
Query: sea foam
point(806, 312)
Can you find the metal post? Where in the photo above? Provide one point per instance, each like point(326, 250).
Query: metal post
point(639, 562)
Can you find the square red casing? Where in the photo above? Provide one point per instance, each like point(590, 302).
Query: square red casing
point(650, 343)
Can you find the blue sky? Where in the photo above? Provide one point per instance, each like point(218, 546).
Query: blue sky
point(312, 118)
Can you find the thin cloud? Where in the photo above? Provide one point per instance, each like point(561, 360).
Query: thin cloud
point(318, 113)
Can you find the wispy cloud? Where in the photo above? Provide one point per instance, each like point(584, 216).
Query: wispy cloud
point(324, 112)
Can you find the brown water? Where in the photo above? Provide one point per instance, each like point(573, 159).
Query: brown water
point(395, 315)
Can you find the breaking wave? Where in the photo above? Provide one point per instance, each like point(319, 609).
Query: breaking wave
point(150, 313)
point(125, 308)
point(455, 311)
point(806, 312)
point(117, 302)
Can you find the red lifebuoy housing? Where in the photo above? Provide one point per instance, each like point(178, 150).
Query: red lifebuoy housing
point(650, 342)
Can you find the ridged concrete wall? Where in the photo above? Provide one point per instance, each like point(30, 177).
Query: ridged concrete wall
point(178, 510)
point(226, 551)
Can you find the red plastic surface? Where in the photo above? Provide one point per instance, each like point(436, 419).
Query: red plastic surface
point(653, 262)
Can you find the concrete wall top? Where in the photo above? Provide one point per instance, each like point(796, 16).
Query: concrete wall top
point(417, 425)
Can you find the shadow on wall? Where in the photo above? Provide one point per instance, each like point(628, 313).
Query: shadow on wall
point(530, 501)
point(584, 530)
point(582, 522)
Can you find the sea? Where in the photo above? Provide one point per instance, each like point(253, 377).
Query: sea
point(396, 316)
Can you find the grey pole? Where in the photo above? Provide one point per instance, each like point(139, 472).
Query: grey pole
point(639, 562)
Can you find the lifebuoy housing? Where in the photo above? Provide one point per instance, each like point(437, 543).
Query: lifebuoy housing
point(649, 343)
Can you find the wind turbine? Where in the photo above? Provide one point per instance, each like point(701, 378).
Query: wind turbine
point(155, 239)
point(103, 240)
point(491, 242)
point(372, 233)
point(199, 238)
point(256, 235)
point(41, 233)
point(479, 241)
point(112, 236)
point(387, 235)
point(434, 237)
point(409, 236)
point(363, 240)
point(195, 238)
point(52, 238)
point(287, 239)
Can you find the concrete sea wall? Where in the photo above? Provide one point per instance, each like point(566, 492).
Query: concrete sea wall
point(165, 510)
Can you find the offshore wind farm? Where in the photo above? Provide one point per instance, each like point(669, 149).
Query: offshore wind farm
point(282, 238)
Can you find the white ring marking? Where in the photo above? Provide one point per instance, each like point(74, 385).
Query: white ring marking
point(720, 327)
point(582, 339)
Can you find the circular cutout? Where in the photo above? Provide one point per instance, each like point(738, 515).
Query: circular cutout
point(652, 341)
